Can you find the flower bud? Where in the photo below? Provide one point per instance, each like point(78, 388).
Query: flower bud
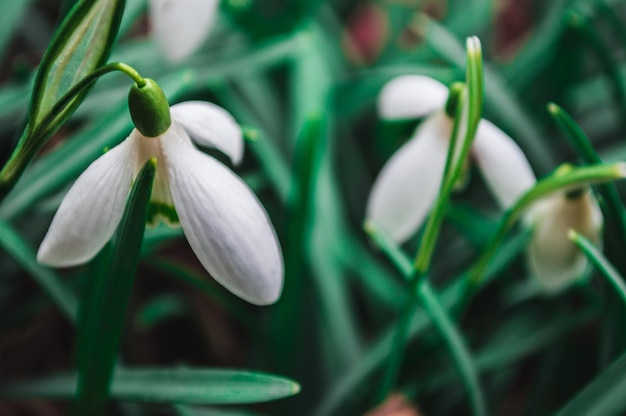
point(149, 109)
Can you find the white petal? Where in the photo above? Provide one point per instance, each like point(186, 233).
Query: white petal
point(92, 209)
point(411, 96)
point(408, 184)
point(553, 259)
point(180, 26)
point(502, 163)
point(225, 224)
point(210, 125)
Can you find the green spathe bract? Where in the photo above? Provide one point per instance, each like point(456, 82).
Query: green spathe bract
point(149, 108)
point(80, 46)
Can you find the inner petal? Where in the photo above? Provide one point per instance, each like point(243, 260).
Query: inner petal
point(161, 207)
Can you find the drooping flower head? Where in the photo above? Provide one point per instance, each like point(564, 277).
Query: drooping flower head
point(225, 224)
point(553, 259)
point(407, 186)
point(180, 26)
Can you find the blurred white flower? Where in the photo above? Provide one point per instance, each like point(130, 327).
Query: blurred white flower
point(225, 224)
point(180, 26)
point(408, 184)
point(553, 259)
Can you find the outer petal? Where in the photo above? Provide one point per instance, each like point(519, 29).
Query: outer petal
point(180, 26)
point(411, 96)
point(408, 184)
point(210, 125)
point(225, 224)
point(553, 259)
point(92, 209)
point(502, 163)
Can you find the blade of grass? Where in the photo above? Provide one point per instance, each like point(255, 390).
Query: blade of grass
point(440, 318)
point(499, 99)
point(601, 263)
point(613, 209)
point(168, 385)
point(346, 387)
point(103, 311)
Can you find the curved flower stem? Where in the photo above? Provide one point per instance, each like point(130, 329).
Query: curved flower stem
point(613, 209)
point(572, 178)
point(33, 139)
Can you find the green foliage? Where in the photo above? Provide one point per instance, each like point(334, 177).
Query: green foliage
point(477, 336)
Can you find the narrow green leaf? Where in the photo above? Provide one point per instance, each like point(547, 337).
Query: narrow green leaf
point(19, 250)
point(103, 310)
point(613, 210)
point(457, 347)
point(437, 312)
point(156, 385)
point(518, 338)
point(575, 134)
point(343, 390)
point(306, 167)
point(602, 264)
point(186, 410)
point(604, 396)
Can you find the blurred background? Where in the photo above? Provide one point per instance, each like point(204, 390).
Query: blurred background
point(276, 64)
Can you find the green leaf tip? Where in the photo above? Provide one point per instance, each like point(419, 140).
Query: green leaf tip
point(473, 47)
point(295, 388)
point(251, 134)
point(368, 226)
point(554, 109)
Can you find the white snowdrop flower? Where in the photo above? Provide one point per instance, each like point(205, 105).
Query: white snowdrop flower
point(408, 184)
point(553, 259)
point(180, 26)
point(225, 224)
